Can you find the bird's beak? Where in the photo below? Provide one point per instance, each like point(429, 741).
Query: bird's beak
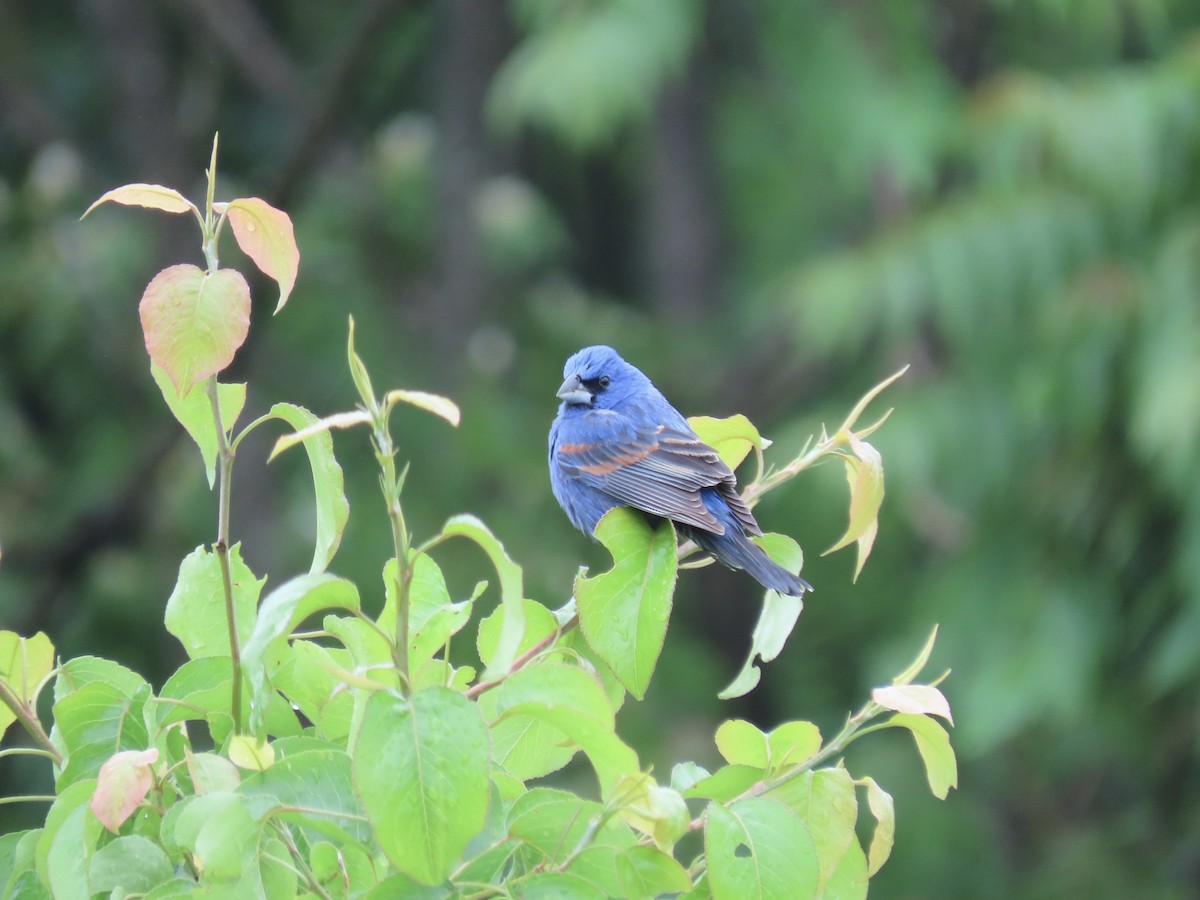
point(573, 391)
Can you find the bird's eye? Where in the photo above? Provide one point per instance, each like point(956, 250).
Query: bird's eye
point(605, 381)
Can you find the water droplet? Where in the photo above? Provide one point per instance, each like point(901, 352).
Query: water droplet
point(250, 226)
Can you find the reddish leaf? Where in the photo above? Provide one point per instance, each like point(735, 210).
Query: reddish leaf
point(124, 780)
point(151, 196)
point(265, 234)
point(194, 321)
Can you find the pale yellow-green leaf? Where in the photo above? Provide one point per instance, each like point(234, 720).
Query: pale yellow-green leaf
point(337, 420)
point(733, 438)
point(248, 752)
point(884, 811)
point(864, 472)
point(151, 196)
point(434, 403)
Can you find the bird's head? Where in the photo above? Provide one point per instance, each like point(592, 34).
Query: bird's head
point(597, 377)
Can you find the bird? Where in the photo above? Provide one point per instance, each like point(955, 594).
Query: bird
point(617, 441)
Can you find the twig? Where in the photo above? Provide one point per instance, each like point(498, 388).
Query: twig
point(524, 658)
point(29, 721)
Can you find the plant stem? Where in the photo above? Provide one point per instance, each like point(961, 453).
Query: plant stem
point(26, 751)
point(302, 866)
point(850, 731)
point(524, 658)
point(29, 721)
point(225, 457)
point(29, 798)
point(386, 455)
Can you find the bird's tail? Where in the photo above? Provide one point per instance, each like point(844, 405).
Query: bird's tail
point(735, 550)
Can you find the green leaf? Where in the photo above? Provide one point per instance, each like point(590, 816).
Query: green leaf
point(733, 438)
point(67, 859)
point(649, 872)
point(194, 412)
point(95, 722)
point(83, 670)
point(552, 821)
point(919, 699)
point(151, 196)
point(421, 768)
point(884, 810)
point(825, 801)
point(574, 702)
point(333, 509)
point(346, 869)
point(572, 643)
point(281, 611)
point(933, 742)
point(131, 864)
point(741, 743)
point(775, 623)
point(401, 886)
point(266, 235)
point(551, 825)
point(849, 880)
point(24, 662)
point(312, 677)
point(434, 403)
point(553, 886)
point(369, 650)
point(194, 321)
point(686, 774)
point(652, 809)
point(758, 849)
point(781, 548)
point(201, 687)
point(792, 743)
point(221, 832)
point(318, 782)
point(16, 859)
point(527, 747)
point(864, 471)
point(432, 617)
point(66, 873)
point(211, 773)
point(624, 612)
point(124, 780)
point(539, 625)
point(196, 608)
point(725, 783)
point(511, 590)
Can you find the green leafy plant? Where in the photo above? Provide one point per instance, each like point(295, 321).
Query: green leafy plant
point(311, 748)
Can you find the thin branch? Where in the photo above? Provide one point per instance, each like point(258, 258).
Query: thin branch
point(524, 658)
point(225, 459)
point(29, 721)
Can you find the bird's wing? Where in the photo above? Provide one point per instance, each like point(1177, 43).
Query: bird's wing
point(655, 468)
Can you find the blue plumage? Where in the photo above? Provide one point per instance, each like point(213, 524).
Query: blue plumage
point(616, 441)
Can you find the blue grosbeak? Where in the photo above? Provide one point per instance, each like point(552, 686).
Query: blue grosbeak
point(616, 441)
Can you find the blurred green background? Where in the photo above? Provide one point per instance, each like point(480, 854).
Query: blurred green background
point(768, 206)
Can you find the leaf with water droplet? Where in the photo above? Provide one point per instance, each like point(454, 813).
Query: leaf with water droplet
point(266, 235)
